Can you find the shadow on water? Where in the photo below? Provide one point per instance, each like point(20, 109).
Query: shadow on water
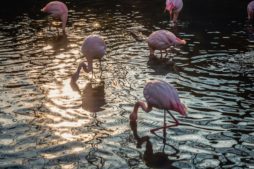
point(162, 66)
point(57, 42)
point(93, 96)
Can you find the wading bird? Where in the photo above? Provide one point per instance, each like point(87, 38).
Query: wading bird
point(161, 40)
point(250, 10)
point(57, 10)
point(161, 95)
point(174, 7)
point(92, 48)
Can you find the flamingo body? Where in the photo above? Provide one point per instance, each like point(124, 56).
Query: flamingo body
point(57, 10)
point(161, 40)
point(92, 48)
point(250, 10)
point(174, 7)
point(161, 95)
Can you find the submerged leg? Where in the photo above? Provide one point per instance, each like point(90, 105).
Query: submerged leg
point(166, 53)
point(134, 114)
point(166, 126)
point(175, 16)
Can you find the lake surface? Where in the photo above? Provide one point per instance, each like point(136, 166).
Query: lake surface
point(48, 122)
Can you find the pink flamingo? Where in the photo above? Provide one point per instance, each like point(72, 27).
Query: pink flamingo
point(161, 40)
point(161, 95)
point(57, 10)
point(174, 7)
point(250, 10)
point(92, 48)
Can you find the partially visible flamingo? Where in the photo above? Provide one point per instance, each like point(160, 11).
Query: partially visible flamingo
point(250, 10)
point(161, 95)
point(161, 40)
point(92, 48)
point(174, 7)
point(57, 10)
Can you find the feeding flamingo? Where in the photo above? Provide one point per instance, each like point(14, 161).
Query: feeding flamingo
point(161, 95)
point(250, 10)
point(92, 48)
point(161, 40)
point(174, 7)
point(57, 10)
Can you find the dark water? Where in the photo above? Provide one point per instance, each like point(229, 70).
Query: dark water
point(46, 122)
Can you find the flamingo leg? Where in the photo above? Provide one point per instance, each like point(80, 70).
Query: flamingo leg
point(161, 53)
point(100, 68)
point(166, 53)
point(175, 16)
point(151, 53)
point(93, 75)
point(166, 126)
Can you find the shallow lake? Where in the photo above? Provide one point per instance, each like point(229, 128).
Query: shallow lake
point(48, 122)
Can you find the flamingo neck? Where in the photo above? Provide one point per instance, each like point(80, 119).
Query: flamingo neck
point(135, 110)
point(78, 69)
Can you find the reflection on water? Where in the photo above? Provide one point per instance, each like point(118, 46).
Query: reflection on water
point(151, 158)
point(48, 122)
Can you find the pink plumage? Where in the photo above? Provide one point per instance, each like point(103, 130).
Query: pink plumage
point(92, 48)
point(174, 7)
point(250, 10)
point(161, 40)
point(57, 10)
point(161, 95)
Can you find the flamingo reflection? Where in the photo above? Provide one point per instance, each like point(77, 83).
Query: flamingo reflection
point(153, 159)
point(93, 96)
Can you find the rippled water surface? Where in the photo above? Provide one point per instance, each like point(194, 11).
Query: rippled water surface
point(48, 122)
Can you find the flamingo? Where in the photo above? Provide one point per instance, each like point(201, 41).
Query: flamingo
point(161, 40)
point(174, 7)
point(161, 95)
point(57, 10)
point(250, 10)
point(92, 48)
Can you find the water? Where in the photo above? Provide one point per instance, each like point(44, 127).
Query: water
point(47, 122)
